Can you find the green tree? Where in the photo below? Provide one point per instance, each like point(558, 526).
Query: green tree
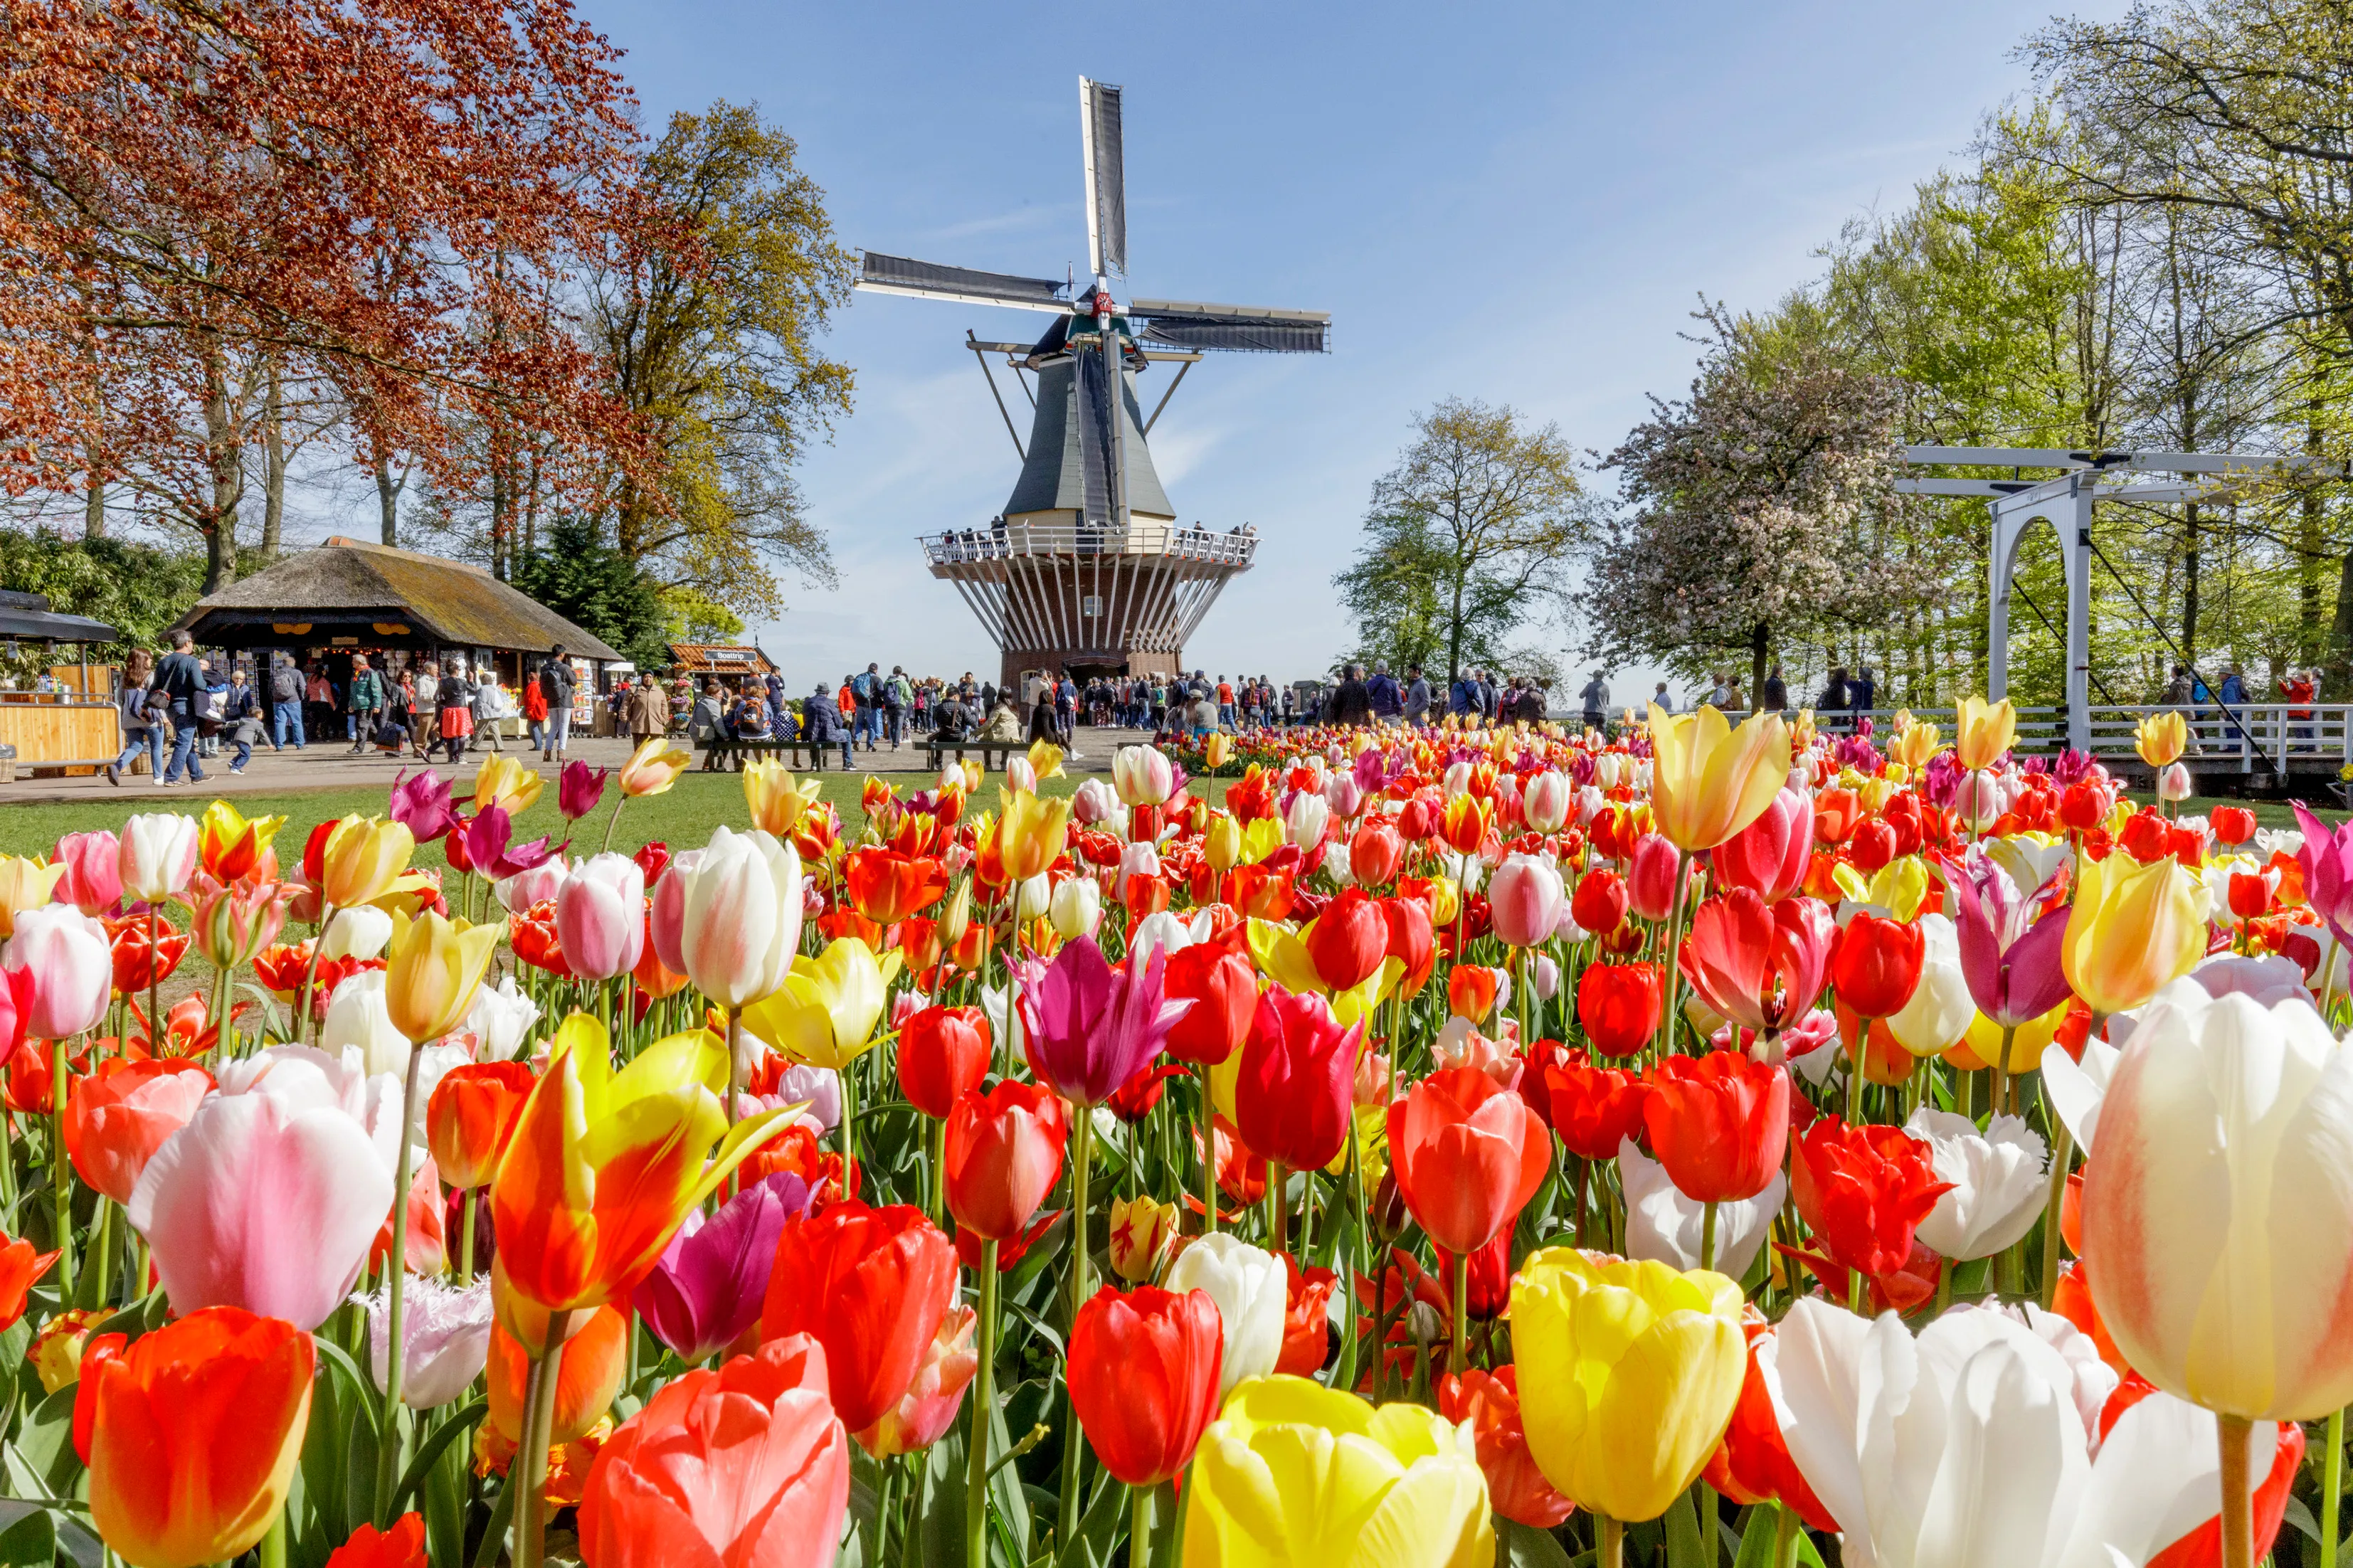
point(1466, 538)
point(136, 588)
point(689, 618)
point(581, 576)
point(709, 319)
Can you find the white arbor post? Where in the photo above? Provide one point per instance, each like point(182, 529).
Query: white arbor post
point(2066, 504)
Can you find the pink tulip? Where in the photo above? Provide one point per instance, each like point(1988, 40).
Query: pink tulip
point(155, 854)
point(1545, 800)
point(1759, 965)
point(72, 968)
point(601, 916)
point(1650, 872)
point(268, 1200)
point(93, 878)
point(728, 916)
point(1771, 854)
point(1524, 897)
point(933, 1400)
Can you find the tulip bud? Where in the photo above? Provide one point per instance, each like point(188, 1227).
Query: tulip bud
point(1222, 842)
point(2173, 782)
point(1143, 1232)
point(1651, 877)
point(1076, 908)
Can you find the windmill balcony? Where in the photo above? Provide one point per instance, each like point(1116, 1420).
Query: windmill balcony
point(1019, 540)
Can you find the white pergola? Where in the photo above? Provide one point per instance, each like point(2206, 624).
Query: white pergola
point(2065, 501)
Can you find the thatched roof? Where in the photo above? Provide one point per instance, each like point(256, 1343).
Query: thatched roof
point(382, 597)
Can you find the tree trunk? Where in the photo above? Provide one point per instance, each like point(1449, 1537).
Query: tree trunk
point(2336, 678)
point(225, 453)
point(2190, 583)
point(387, 498)
point(1759, 640)
point(1454, 633)
point(93, 503)
point(273, 471)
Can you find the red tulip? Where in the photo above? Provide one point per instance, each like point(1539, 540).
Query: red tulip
point(1650, 874)
point(870, 1286)
point(1298, 1070)
point(1143, 1369)
point(888, 887)
point(1004, 1154)
point(1599, 906)
point(1223, 989)
point(1752, 1464)
point(1719, 1124)
point(1412, 943)
point(1876, 964)
point(1468, 1153)
point(2233, 825)
point(1375, 854)
point(1489, 1404)
point(117, 1118)
point(1594, 1109)
point(1863, 1190)
point(138, 965)
point(1306, 1319)
point(470, 1115)
point(1619, 1005)
point(942, 1052)
point(1488, 1279)
point(1759, 965)
point(1348, 942)
point(1770, 856)
point(402, 1546)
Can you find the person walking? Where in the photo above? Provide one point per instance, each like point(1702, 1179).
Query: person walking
point(1596, 700)
point(241, 718)
point(866, 705)
point(285, 704)
point(145, 713)
point(649, 709)
point(898, 696)
point(555, 683)
point(368, 698)
point(1352, 704)
point(453, 711)
point(181, 680)
point(489, 711)
point(1416, 698)
point(322, 703)
point(1773, 697)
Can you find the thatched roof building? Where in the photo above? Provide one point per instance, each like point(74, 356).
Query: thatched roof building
point(347, 597)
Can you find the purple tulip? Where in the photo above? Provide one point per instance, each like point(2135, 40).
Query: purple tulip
point(579, 788)
point(2010, 959)
point(2327, 861)
point(707, 1290)
point(479, 845)
point(422, 804)
point(2073, 767)
point(1944, 780)
point(1087, 1028)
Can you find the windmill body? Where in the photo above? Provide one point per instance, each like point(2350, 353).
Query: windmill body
point(1087, 569)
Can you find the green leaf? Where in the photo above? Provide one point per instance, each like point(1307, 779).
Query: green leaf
point(1100, 1527)
point(454, 1427)
point(1684, 1548)
point(28, 1535)
point(1525, 1546)
point(46, 1443)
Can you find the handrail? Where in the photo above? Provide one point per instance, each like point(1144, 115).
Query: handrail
point(1031, 539)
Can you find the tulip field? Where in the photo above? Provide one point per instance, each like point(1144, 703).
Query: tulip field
point(1700, 1146)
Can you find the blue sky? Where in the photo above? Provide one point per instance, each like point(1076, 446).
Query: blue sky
point(1514, 203)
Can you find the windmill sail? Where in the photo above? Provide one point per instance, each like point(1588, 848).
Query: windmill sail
point(1106, 179)
point(932, 281)
point(1247, 329)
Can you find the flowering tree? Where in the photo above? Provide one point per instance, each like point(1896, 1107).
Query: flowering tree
point(1752, 509)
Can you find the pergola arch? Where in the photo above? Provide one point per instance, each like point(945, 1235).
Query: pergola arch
point(2066, 505)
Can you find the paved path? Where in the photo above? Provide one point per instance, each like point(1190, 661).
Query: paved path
point(332, 766)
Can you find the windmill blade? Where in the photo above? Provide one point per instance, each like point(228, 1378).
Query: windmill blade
point(1241, 329)
point(930, 280)
point(1106, 178)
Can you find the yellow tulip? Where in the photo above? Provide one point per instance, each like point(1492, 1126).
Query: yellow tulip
point(1983, 730)
point(2162, 737)
point(1629, 1374)
point(1445, 900)
point(230, 844)
point(1897, 889)
point(362, 857)
point(1982, 1044)
point(1046, 759)
point(1801, 732)
point(1221, 841)
point(506, 783)
point(1262, 838)
point(1032, 836)
point(1708, 781)
point(653, 767)
point(2131, 929)
point(826, 1013)
point(1916, 743)
point(432, 966)
point(1293, 1473)
point(25, 885)
point(1280, 954)
point(777, 799)
point(1143, 1232)
point(1217, 750)
point(1875, 793)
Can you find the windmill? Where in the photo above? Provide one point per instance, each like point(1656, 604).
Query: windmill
point(1086, 569)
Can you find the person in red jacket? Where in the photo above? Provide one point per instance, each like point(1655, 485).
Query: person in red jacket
point(2299, 688)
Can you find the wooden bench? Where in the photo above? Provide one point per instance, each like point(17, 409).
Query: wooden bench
point(805, 755)
point(992, 754)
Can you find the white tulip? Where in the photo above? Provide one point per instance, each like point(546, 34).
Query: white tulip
point(1941, 1008)
point(1250, 1287)
point(446, 1329)
point(1999, 1180)
point(501, 1020)
point(1033, 898)
point(1304, 823)
point(1665, 1226)
point(360, 932)
point(1076, 908)
point(357, 1019)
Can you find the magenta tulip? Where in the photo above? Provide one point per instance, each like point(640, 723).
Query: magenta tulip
point(422, 805)
point(2009, 958)
point(601, 916)
point(481, 848)
point(72, 968)
point(2327, 858)
point(707, 1290)
point(93, 878)
point(579, 789)
point(1087, 1028)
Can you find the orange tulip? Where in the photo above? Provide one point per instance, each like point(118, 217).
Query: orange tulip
point(120, 1115)
point(1471, 991)
point(193, 1434)
point(20, 1270)
point(889, 886)
point(472, 1115)
point(402, 1546)
point(230, 845)
point(1467, 823)
point(588, 1376)
point(603, 1164)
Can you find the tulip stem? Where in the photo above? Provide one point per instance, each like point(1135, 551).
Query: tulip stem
point(847, 1079)
point(1278, 1217)
point(1611, 1542)
point(530, 1468)
point(2235, 1433)
point(1209, 1156)
point(1785, 1536)
point(273, 1545)
point(63, 1169)
point(1462, 1361)
point(2062, 1151)
point(983, 1410)
point(1708, 1236)
point(1139, 1527)
point(2332, 1486)
point(1074, 1443)
point(1857, 1049)
point(465, 1236)
point(301, 998)
point(620, 799)
point(395, 1266)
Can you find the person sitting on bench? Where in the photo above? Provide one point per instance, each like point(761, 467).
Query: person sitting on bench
point(954, 722)
point(1004, 726)
point(748, 718)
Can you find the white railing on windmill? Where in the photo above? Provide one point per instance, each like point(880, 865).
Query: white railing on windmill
point(2065, 500)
